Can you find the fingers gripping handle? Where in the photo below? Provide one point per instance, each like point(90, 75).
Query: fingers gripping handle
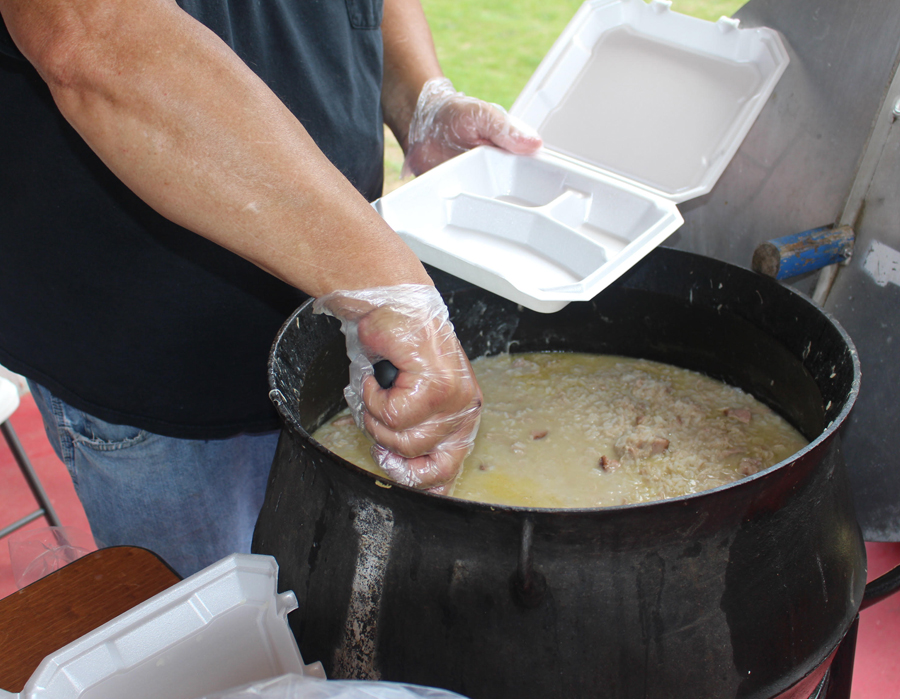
point(424, 426)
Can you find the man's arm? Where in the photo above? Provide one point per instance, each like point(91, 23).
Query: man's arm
point(182, 121)
point(179, 118)
point(409, 62)
point(436, 123)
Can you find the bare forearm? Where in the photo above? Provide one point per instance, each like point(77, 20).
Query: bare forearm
point(188, 127)
point(409, 61)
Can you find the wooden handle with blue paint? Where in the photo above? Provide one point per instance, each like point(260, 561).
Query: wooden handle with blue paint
point(800, 253)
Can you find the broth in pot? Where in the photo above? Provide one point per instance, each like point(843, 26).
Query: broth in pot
point(570, 430)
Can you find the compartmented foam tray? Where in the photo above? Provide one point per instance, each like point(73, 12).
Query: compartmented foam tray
point(640, 108)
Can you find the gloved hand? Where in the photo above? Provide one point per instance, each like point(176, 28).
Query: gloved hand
point(447, 123)
point(425, 424)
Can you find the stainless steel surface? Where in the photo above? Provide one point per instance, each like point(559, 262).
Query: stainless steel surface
point(795, 169)
point(826, 149)
point(870, 313)
point(864, 175)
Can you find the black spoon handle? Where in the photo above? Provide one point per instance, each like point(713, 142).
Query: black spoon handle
point(385, 373)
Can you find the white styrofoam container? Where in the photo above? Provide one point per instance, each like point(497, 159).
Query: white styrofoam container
point(640, 108)
point(9, 399)
point(223, 627)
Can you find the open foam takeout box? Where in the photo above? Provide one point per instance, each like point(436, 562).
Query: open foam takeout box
point(640, 108)
point(223, 627)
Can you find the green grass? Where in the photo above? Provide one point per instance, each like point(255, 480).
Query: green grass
point(489, 48)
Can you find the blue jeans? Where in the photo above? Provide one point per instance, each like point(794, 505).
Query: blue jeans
point(191, 502)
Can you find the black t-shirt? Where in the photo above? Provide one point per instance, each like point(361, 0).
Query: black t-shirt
point(122, 313)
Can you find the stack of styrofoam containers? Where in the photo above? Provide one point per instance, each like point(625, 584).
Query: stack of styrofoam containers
point(221, 628)
point(640, 108)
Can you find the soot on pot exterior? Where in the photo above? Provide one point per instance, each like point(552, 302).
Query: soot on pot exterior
point(743, 591)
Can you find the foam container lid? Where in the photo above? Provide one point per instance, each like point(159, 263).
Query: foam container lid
point(221, 628)
point(640, 108)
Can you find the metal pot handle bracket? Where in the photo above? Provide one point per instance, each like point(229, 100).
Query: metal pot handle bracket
point(528, 585)
point(881, 587)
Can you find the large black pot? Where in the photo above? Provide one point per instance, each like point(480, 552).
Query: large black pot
point(743, 591)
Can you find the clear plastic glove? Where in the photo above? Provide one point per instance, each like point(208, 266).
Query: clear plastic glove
point(301, 687)
point(424, 425)
point(447, 123)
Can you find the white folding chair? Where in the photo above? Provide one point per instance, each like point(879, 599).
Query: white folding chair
point(9, 403)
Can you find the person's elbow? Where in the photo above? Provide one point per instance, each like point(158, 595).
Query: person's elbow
point(67, 44)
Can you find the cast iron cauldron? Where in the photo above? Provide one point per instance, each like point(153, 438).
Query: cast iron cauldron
point(743, 591)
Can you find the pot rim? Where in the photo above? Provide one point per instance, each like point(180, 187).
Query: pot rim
point(829, 433)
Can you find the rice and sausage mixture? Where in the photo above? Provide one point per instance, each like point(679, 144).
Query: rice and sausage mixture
point(580, 430)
